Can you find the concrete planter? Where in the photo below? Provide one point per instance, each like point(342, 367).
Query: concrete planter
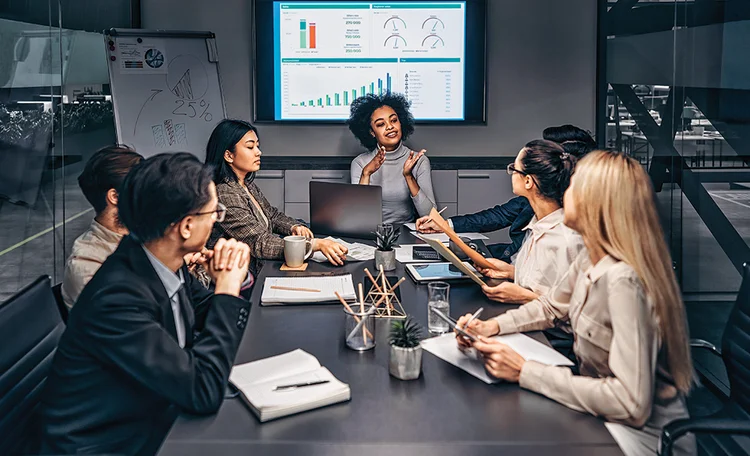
point(385, 258)
point(405, 363)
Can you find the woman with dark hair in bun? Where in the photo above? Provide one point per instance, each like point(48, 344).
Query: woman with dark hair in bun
point(515, 213)
point(541, 174)
point(381, 123)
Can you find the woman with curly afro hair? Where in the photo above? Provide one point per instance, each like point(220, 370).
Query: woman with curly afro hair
point(381, 123)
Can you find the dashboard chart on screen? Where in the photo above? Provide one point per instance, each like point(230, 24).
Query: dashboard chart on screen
point(328, 54)
point(314, 58)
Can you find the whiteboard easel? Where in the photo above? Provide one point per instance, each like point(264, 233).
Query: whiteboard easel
point(166, 89)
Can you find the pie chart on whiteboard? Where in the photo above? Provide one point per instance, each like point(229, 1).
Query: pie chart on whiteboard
point(154, 58)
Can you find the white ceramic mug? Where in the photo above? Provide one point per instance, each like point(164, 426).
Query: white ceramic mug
point(296, 250)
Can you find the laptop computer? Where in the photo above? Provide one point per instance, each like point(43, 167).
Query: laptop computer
point(348, 210)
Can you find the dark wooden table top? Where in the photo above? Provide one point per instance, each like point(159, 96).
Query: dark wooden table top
point(444, 412)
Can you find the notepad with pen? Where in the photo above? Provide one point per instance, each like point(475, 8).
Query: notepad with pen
point(306, 290)
point(286, 384)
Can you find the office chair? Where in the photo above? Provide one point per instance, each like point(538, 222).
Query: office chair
point(716, 431)
point(57, 292)
point(30, 328)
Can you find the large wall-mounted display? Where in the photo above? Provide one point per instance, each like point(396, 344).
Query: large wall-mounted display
point(314, 58)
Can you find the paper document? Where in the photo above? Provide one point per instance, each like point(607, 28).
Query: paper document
point(357, 251)
point(446, 348)
point(442, 237)
point(411, 226)
point(301, 290)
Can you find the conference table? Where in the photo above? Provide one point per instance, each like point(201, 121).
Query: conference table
point(445, 411)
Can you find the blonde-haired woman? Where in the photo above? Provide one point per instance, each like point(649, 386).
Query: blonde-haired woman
point(624, 306)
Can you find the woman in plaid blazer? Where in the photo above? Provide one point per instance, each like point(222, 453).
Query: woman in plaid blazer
point(234, 152)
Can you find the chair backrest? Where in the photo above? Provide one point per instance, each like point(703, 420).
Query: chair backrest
point(57, 293)
point(735, 346)
point(30, 328)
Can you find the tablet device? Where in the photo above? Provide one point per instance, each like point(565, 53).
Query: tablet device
point(453, 324)
point(426, 272)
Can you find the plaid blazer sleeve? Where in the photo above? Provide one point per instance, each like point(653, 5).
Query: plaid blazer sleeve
point(280, 222)
point(242, 223)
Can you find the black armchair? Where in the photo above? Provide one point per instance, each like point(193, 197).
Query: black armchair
point(734, 419)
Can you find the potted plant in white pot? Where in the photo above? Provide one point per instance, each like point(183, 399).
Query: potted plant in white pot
point(406, 352)
point(386, 238)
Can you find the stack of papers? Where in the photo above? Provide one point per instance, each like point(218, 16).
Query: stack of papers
point(257, 383)
point(446, 348)
point(357, 251)
point(303, 290)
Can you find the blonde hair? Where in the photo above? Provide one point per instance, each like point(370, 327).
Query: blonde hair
point(616, 211)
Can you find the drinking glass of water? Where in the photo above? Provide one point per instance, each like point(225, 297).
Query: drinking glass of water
point(438, 300)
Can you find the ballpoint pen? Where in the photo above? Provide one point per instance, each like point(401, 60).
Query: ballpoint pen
point(476, 314)
point(300, 385)
point(439, 212)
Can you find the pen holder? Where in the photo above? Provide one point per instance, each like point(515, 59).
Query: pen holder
point(359, 328)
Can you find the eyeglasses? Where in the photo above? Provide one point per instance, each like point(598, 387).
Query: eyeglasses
point(512, 169)
point(218, 214)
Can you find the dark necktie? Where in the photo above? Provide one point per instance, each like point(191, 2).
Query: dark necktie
point(186, 309)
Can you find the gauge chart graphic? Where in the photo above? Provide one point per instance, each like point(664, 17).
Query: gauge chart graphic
point(432, 41)
point(395, 41)
point(433, 23)
point(395, 23)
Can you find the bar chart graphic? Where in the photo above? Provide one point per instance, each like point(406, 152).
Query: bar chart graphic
point(307, 34)
point(344, 97)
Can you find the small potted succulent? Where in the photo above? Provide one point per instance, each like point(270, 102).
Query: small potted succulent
point(386, 238)
point(406, 353)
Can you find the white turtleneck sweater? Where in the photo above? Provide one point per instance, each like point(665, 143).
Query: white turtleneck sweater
point(399, 206)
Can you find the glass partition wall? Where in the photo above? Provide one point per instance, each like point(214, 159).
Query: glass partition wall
point(674, 92)
point(55, 111)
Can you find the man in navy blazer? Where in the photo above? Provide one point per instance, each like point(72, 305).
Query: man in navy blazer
point(516, 213)
point(145, 339)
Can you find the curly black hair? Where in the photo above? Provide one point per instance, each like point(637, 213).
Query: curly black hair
point(362, 109)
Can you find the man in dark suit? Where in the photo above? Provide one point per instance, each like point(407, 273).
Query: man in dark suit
point(145, 339)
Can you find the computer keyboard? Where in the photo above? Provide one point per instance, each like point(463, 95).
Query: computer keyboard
point(425, 254)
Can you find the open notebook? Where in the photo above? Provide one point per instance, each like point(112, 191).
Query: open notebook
point(256, 382)
point(306, 290)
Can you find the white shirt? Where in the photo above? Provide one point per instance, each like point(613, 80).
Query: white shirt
point(89, 252)
point(172, 283)
point(546, 254)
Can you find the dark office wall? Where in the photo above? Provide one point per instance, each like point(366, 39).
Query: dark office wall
point(541, 64)
point(89, 15)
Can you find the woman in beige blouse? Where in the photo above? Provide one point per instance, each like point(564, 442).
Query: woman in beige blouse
point(622, 301)
point(541, 173)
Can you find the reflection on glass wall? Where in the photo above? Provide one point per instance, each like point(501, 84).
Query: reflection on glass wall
point(677, 98)
point(55, 111)
point(678, 91)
